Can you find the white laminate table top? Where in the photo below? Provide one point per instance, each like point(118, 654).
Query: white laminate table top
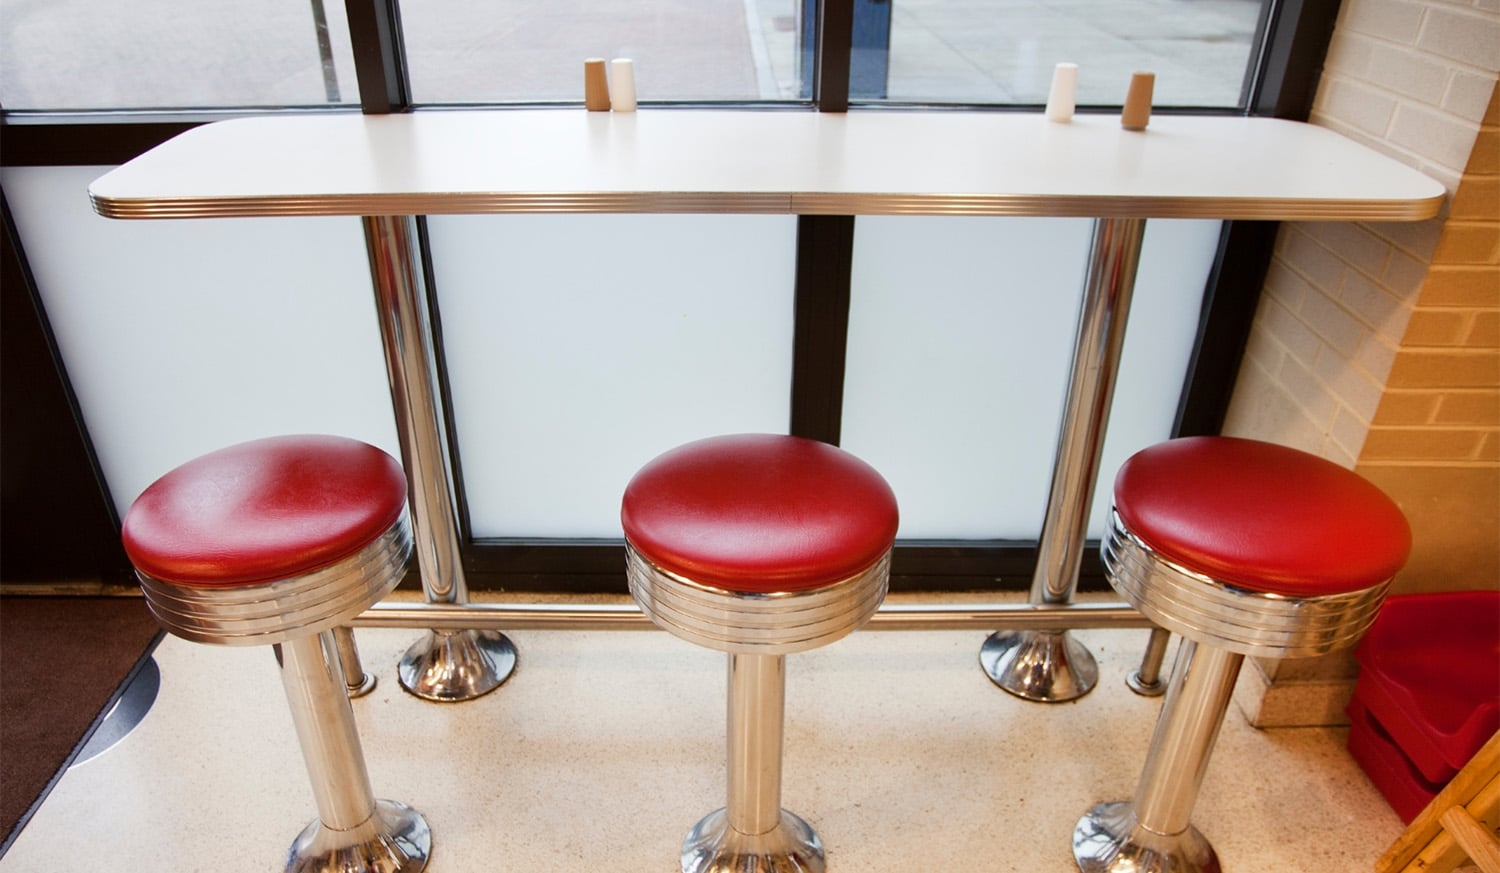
point(770, 161)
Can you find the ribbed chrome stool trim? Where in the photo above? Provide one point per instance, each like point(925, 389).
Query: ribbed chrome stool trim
point(1235, 619)
point(271, 612)
point(765, 624)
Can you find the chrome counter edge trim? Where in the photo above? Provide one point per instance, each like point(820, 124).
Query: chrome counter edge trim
point(755, 203)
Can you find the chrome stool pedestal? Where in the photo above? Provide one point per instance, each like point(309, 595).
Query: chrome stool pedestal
point(280, 542)
point(758, 546)
point(753, 832)
point(1243, 549)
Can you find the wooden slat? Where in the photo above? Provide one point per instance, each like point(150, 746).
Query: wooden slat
point(1425, 841)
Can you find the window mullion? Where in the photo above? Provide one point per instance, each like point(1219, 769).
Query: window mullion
point(831, 76)
point(379, 64)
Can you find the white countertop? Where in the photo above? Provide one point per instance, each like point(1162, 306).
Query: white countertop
point(772, 161)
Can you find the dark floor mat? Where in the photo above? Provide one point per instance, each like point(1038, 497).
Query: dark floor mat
point(62, 660)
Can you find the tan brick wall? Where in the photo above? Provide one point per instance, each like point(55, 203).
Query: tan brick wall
point(1435, 440)
point(1378, 345)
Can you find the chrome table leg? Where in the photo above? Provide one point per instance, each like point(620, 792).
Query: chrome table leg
point(1050, 666)
point(445, 665)
point(356, 680)
point(1146, 679)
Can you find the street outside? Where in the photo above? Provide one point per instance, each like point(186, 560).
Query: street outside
point(154, 54)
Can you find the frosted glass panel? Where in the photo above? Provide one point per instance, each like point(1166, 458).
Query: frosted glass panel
point(961, 334)
point(579, 347)
point(181, 337)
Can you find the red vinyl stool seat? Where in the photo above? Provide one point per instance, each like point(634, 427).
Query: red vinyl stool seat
point(277, 542)
point(1242, 548)
point(757, 545)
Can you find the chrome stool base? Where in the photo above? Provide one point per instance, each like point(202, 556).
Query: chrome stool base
point(395, 839)
point(453, 666)
point(712, 846)
point(1042, 666)
point(1109, 839)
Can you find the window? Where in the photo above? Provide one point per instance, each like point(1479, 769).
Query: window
point(61, 59)
point(91, 54)
point(1004, 51)
point(96, 54)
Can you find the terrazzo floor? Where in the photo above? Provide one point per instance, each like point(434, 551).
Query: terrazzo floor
point(605, 747)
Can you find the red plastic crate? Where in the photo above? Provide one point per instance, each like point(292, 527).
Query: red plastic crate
point(1430, 676)
point(1392, 772)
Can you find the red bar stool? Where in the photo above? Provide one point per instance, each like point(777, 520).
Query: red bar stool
point(759, 546)
point(1242, 548)
point(276, 542)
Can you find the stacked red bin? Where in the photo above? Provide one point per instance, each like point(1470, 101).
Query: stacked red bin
point(1428, 694)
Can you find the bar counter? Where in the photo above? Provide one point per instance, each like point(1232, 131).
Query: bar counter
point(390, 169)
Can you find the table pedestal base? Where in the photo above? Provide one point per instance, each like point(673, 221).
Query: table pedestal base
point(449, 666)
point(1042, 666)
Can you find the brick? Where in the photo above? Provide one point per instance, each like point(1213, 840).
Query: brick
point(1285, 284)
point(1458, 368)
point(1408, 408)
point(1357, 105)
point(1352, 385)
point(1262, 409)
point(1329, 449)
point(1468, 95)
point(1459, 36)
point(1375, 306)
point(1356, 246)
point(1421, 444)
point(1306, 392)
point(1416, 238)
point(1349, 56)
point(1336, 325)
point(1461, 286)
point(1375, 356)
point(1437, 327)
point(1295, 337)
point(1489, 448)
point(1436, 136)
point(1485, 332)
point(1314, 263)
point(1262, 350)
point(1409, 74)
point(1469, 242)
point(1477, 197)
point(1348, 432)
point(1388, 19)
point(1484, 155)
point(1404, 275)
point(1475, 408)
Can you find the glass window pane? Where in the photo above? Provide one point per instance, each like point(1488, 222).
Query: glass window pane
point(1004, 51)
point(158, 54)
point(526, 50)
point(961, 334)
point(181, 337)
point(578, 347)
